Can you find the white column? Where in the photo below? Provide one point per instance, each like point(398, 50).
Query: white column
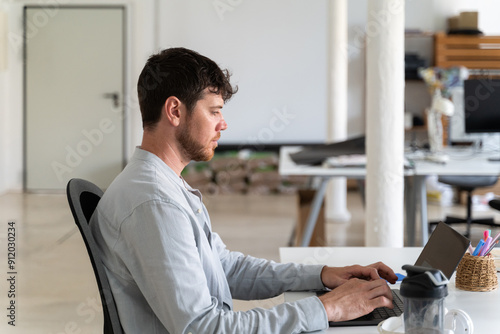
point(336, 206)
point(385, 123)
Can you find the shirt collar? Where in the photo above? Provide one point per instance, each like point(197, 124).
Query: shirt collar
point(152, 158)
point(141, 154)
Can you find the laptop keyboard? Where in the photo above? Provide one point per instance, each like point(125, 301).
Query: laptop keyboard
point(384, 312)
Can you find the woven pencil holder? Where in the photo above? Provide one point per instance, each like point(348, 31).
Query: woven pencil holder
point(476, 273)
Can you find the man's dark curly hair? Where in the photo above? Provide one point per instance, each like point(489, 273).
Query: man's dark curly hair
point(182, 73)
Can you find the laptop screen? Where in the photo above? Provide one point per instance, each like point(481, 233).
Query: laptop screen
point(444, 250)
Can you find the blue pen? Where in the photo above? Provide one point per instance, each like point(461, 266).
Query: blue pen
point(478, 247)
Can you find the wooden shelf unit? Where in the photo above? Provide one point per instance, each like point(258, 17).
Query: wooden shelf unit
point(473, 52)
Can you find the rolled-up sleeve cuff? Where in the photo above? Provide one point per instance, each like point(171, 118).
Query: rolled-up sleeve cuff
point(314, 277)
point(314, 313)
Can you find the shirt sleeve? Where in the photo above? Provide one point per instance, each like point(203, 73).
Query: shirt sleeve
point(163, 260)
point(252, 278)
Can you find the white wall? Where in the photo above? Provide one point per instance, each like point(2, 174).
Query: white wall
point(424, 14)
point(277, 52)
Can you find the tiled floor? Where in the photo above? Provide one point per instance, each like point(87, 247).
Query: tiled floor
point(55, 287)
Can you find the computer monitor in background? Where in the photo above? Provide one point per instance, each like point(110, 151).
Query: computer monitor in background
point(482, 107)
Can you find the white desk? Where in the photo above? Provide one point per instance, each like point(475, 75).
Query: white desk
point(483, 307)
point(288, 167)
point(461, 162)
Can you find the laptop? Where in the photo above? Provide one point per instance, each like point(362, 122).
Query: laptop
point(443, 251)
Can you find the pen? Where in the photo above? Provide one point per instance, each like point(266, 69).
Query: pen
point(486, 246)
point(495, 238)
point(478, 247)
point(491, 247)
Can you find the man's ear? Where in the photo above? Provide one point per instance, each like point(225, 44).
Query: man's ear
point(172, 110)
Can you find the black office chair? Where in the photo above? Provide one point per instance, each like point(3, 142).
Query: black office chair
point(468, 184)
point(83, 197)
point(495, 204)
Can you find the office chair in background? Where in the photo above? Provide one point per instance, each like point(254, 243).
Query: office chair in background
point(495, 204)
point(468, 184)
point(83, 197)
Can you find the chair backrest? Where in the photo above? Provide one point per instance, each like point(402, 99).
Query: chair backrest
point(83, 197)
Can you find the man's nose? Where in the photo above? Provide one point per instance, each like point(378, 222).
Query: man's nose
point(222, 125)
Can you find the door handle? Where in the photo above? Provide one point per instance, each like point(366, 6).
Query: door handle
point(115, 96)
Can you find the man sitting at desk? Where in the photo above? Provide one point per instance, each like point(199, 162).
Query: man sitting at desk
point(168, 271)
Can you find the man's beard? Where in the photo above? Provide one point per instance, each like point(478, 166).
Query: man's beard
point(191, 148)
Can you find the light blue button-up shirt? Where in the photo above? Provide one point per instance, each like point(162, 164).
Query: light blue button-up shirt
point(169, 273)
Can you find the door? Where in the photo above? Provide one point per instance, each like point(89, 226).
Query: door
point(74, 79)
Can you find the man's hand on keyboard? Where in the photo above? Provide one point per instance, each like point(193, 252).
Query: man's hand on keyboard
point(333, 277)
point(355, 298)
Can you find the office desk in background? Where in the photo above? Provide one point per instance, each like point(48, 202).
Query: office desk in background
point(288, 167)
point(482, 307)
point(461, 162)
